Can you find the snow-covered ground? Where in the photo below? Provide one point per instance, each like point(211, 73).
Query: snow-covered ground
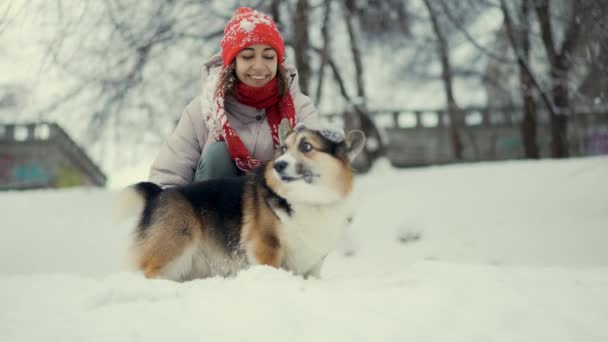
point(509, 251)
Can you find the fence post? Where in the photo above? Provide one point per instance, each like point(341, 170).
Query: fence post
point(418, 115)
point(485, 117)
point(395, 119)
point(442, 123)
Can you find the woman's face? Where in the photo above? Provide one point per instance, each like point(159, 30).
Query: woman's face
point(256, 65)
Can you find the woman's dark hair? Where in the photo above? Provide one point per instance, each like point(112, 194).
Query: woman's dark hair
point(228, 78)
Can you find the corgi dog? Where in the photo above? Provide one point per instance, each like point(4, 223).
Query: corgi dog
point(288, 213)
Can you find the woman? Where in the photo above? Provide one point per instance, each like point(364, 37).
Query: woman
point(233, 125)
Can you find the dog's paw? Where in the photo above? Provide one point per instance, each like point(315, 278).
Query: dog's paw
point(407, 235)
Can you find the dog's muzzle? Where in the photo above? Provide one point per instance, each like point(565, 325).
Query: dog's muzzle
point(302, 172)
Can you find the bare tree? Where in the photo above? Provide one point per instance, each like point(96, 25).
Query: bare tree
point(137, 65)
point(349, 18)
point(324, 50)
point(560, 61)
point(594, 86)
point(275, 11)
point(520, 43)
point(134, 68)
point(381, 21)
point(456, 121)
point(357, 115)
point(120, 89)
point(336, 74)
point(527, 88)
point(559, 68)
point(518, 36)
point(301, 42)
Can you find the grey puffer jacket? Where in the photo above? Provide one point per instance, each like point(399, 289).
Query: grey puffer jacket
point(180, 153)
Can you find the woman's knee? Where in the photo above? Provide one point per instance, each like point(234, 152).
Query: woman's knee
point(215, 162)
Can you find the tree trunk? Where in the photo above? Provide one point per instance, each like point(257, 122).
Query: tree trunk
point(529, 79)
point(559, 122)
point(275, 11)
point(559, 59)
point(324, 51)
point(336, 73)
point(357, 116)
point(349, 10)
point(302, 43)
point(528, 126)
point(446, 75)
point(595, 84)
point(529, 123)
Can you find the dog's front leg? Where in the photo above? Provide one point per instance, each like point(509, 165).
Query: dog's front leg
point(265, 249)
point(315, 271)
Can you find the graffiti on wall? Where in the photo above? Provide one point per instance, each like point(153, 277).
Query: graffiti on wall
point(30, 172)
point(509, 142)
point(34, 173)
point(22, 172)
point(598, 142)
point(6, 164)
point(67, 177)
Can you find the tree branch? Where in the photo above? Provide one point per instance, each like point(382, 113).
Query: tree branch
point(324, 51)
point(520, 60)
point(336, 73)
point(348, 6)
point(471, 39)
point(546, 29)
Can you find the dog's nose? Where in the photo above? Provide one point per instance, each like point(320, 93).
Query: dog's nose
point(280, 165)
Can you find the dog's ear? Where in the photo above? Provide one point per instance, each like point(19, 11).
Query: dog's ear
point(354, 144)
point(284, 130)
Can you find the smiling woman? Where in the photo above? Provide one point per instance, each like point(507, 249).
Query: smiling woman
point(232, 126)
point(256, 65)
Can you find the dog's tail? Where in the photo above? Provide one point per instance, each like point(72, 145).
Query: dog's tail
point(132, 200)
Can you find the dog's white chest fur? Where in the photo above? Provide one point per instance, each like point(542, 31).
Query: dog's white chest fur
point(310, 233)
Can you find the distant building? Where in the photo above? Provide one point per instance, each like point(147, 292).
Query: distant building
point(422, 137)
point(42, 155)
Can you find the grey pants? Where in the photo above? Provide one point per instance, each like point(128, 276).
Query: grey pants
point(215, 163)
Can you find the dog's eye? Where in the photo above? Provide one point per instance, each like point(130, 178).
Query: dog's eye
point(305, 147)
point(283, 149)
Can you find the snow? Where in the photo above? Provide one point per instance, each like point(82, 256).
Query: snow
point(505, 251)
point(247, 26)
point(327, 130)
point(249, 23)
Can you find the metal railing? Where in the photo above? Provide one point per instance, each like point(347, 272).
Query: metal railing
point(421, 136)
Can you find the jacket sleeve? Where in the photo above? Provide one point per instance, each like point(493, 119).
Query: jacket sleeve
point(180, 153)
point(306, 112)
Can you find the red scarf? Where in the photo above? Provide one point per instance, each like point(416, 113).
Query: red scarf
point(265, 97)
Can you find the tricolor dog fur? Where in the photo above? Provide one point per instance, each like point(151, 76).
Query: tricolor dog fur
point(288, 213)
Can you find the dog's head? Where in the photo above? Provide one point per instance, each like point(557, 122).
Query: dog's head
point(313, 164)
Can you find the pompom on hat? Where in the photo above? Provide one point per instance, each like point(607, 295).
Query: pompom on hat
point(248, 27)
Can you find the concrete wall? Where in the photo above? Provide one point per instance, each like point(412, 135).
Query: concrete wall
point(416, 138)
point(43, 156)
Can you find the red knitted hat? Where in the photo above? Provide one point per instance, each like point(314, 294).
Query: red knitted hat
point(248, 27)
